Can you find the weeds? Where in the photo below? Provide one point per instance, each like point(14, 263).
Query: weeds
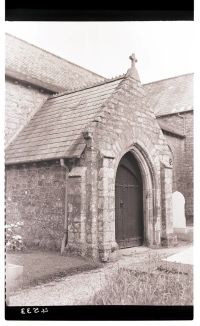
point(150, 286)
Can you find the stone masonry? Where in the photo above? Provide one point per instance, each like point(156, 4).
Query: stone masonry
point(21, 101)
point(61, 167)
point(188, 166)
point(124, 124)
point(32, 74)
point(35, 194)
point(182, 149)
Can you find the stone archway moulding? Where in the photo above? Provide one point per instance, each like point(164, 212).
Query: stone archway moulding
point(151, 211)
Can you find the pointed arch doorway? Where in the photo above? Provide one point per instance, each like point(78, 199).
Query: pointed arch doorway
point(129, 229)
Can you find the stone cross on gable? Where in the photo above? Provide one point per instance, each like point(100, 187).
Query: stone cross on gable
point(132, 71)
point(133, 59)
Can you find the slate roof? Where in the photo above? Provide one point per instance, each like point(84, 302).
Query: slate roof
point(30, 63)
point(170, 95)
point(55, 131)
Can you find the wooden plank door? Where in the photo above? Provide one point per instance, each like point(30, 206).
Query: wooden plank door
point(128, 203)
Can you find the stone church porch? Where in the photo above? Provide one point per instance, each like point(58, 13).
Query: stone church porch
point(157, 224)
point(69, 168)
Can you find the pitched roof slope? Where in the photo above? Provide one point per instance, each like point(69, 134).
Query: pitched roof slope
point(55, 131)
point(170, 95)
point(30, 63)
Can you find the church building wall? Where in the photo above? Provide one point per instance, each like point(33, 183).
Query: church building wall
point(21, 102)
point(79, 198)
point(177, 147)
point(35, 195)
point(124, 124)
point(183, 157)
point(127, 124)
point(189, 161)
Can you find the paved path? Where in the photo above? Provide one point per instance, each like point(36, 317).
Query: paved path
point(79, 288)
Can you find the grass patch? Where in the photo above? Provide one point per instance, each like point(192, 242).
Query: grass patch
point(147, 287)
point(43, 266)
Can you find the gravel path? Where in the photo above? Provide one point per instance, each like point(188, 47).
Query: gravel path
point(79, 288)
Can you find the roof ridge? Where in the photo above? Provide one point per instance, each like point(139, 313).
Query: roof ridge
point(53, 54)
point(160, 80)
point(87, 86)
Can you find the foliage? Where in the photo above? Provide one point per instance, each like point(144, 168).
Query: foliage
point(136, 287)
point(14, 241)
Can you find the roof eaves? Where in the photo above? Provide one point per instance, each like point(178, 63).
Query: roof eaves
point(164, 79)
point(53, 158)
point(172, 133)
point(32, 80)
point(174, 113)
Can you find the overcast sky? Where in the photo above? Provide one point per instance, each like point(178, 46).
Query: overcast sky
point(163, 49)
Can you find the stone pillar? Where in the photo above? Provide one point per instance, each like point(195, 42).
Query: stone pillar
point(106, 209)
point(77, 210)
point(91, 209)
point(168, 237)
point(91, 162)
